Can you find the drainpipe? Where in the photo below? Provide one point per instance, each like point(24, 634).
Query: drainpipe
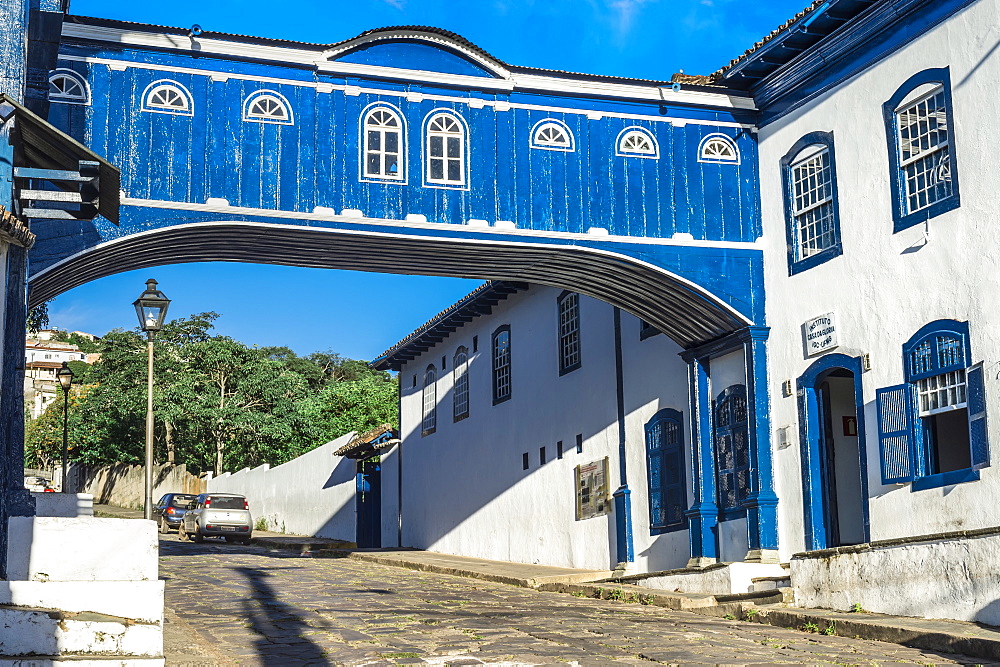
point(623, 502)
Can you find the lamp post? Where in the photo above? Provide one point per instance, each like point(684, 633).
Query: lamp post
point(151, 307)
point(65, 376)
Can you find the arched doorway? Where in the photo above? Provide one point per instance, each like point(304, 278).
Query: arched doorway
point(834, 461)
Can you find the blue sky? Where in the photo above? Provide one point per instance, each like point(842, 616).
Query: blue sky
point(361, 314)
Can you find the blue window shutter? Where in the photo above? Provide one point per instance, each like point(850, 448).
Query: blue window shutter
point(895, 434)
point(976, 397)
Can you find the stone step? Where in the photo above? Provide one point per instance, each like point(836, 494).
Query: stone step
point(770, 583)
point(34, 631)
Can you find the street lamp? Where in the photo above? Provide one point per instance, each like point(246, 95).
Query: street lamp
point(151, 307)
point(65, 376)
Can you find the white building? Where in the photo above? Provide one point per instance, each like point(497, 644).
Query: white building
point(881, 368)
point(43, 356)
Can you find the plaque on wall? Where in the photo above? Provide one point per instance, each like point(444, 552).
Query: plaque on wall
point(820, 334)
point(592, 498)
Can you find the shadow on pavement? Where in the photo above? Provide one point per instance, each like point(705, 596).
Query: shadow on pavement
point(281, 630)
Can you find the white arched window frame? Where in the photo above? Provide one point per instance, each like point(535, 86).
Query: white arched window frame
point(718, 149)
point(68, 87)
point(552, 135)
point(383, 144)
point(637, 142)
point(166, 96)
point(429, 401)
point(446, 150)
point(267, 106)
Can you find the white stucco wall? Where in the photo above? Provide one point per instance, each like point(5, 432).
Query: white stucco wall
point(886, 286)
point(313, 494)
point(956, 578)
point(466, 479)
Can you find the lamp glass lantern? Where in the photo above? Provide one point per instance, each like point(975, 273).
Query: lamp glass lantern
point(65, 376)
point(151, 308)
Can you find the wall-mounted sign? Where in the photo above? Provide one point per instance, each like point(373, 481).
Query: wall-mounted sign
point(820, 334)
point(592, 497)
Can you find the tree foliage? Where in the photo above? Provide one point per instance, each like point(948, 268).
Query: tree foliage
point(219, 404)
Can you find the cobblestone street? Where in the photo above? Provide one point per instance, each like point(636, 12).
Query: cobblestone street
point(236, 605)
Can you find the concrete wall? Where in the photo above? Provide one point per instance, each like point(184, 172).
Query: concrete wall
point(123, 485)
point(479, 459)
point(887, 285)
point(312, 495)
point(948, 578)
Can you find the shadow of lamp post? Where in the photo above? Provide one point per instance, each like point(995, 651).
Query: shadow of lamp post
point(151, 307)
point(65, 375)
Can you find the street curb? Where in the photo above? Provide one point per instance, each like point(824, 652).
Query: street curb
point(439, 569)
point(875, 627)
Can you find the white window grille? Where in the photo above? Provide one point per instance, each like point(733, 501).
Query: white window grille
point(167, 98)
point(383, 145)
point(68, 87)
point(501, 366)
point(569, 332)
point(460, 370)
point(718, 148)
point(943, 392)
point(430, 401)
point(812, 204)
point(637, 142)
point(924, 153)
point(552, 135)
point(267, 107)
point(445, 150)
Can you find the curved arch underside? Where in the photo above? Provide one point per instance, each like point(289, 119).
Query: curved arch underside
point(686, 313)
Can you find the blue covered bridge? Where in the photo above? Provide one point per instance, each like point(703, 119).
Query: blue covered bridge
point(409, 150)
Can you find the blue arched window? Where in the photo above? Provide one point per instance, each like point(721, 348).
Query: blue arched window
point(383, 144)
point(921, 135)
point(812, 220)
point(446, 162)
point(732, 448)
point(665, 470)
point(932, 429)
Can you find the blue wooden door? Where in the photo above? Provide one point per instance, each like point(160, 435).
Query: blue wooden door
point(369, 504)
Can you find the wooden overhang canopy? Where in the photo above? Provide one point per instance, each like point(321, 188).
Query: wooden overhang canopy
point(478, 302)
point(13, 230)
point(807, 28)
point(368, 444)
point(45, 153)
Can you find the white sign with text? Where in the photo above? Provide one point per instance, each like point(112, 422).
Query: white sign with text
point(820, 334)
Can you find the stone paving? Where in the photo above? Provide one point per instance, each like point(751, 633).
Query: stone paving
point(242, 605)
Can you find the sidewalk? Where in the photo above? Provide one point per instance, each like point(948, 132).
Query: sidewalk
point(769, 608)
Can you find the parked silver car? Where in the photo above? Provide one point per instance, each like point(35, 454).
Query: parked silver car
point(217, 514)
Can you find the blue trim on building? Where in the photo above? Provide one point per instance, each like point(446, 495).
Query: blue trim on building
point(876, 35)
point(703, 516)
point(815, 518)
point(788, 189)
point(944, 479)
point(897, 177)
point(622, 496)
point(762, 504)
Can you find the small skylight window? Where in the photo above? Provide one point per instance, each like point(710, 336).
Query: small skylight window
point(68, 87)
point(719, 149)
point(552, 135)
point(267, 107)
point(167, 97)
point(637, 142)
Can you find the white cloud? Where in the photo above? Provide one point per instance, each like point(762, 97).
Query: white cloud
point(398, 4)
point(624, 14)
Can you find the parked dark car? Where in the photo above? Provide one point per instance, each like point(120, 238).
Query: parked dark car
point(217, 515)
point(170, 508)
